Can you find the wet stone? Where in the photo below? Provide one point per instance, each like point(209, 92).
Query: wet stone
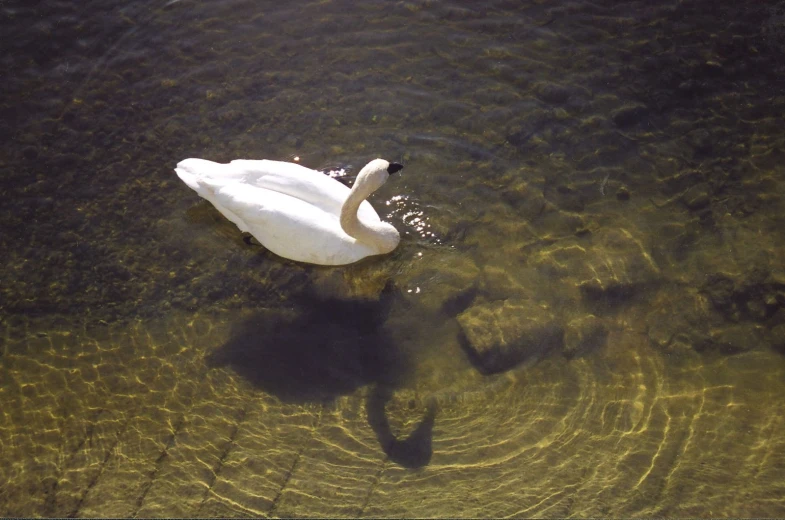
point(499, 335)
point(629, 115)
point(30, 153)
point(713, 68)
point(355, 283)
point(441, 283)
point(777, 337)
point(583, 335)
point(757, 308)
point(674, 243)
point(557, 223)
point(691, 87)
point(737, 338)
point(502, 279)
point(700, 140)
point(552, 93)
point(528, 201)
point(751, 297)
point(697, 197)
point(680, 320)
point(661, 327)
point(561, 260)
point(675, 184)
point(567, 198)
point(666, 330)
point(618, 267)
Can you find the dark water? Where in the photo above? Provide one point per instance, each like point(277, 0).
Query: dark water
point(585, 317)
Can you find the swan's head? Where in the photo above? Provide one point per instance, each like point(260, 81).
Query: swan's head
point(375, 174)
point(383, 236)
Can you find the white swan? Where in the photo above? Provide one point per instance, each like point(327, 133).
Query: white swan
point(295, 212)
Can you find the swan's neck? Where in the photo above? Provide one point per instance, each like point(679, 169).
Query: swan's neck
point(380, 235)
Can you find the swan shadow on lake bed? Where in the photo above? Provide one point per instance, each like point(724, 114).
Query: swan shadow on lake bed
point(415, 450)
point(317, 350)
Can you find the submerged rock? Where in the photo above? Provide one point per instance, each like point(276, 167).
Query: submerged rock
point(777, 335)
point(552, 93)
point(701, 140)
point(680, 182)
point(498, 335)
point(720, 290)
point(584, 334)
point(610, 267)
point(697, 197)
point(441, 282)
point(755, 295)
point(363, 282)
point(692, 320)
point(680, 320)
point(675, 242)
point(566, 197)
point(629, 115)
point(734, 339)
point(530, 203)
point(618, 267)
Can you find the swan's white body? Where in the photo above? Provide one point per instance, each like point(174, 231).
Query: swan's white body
point(296, 212)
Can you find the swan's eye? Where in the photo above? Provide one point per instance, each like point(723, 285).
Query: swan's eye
point(394, 167)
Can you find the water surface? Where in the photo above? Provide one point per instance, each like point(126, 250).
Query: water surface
point(585, 316)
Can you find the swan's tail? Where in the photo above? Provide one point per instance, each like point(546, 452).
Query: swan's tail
point(192, 171)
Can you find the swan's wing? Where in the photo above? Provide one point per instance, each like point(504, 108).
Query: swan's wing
point(302, 183)
point(290, 227)
point(207, 177)
point(263, 174)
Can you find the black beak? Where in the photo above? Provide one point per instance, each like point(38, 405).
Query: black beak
point(394, 168)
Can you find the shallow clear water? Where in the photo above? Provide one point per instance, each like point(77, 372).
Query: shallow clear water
point(585, 317)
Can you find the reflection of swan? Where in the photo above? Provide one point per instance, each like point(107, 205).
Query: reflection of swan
point(295, 212)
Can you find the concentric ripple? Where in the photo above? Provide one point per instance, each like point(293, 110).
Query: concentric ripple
point(588, 437)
